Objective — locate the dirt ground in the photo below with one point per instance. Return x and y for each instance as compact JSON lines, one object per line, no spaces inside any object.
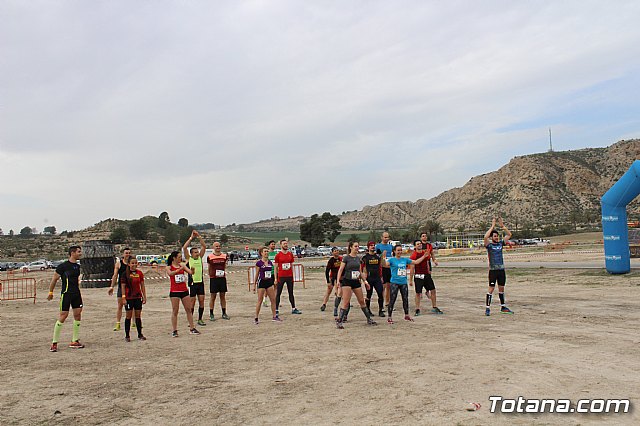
{"x":575,"y":335}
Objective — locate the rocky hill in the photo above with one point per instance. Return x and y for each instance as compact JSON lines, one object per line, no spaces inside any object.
{"x":538,"y":189}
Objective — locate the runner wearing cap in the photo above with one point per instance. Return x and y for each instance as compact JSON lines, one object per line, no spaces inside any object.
{"x":331,"y":274}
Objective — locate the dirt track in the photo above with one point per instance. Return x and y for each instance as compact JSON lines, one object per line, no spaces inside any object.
{"x":304,"y":371}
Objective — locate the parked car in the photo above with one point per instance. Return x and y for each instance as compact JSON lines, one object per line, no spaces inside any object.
{"x":35,"y":266}
{"x":324,"y":251}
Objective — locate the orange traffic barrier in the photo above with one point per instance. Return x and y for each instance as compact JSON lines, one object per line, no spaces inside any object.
{"x":18,"y":288}
{"x":298,"y":275}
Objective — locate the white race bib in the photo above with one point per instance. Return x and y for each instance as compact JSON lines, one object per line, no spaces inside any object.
{"x":180,"y":278}
{"x":421,"y":276}
{"x":219,"y":273}
{"x":402,"y":271}
{"x":267,"y":274}
{"x":355,"y":275}
{"x":286,"y":266}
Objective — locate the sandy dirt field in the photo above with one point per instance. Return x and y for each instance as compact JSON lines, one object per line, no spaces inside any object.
{"x":304,"y":371}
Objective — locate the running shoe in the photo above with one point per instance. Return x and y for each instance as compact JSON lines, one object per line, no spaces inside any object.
{"x":417,"y":314}
{"x":487,"y":312}
{"x":141,"y":337}
{"x":389,"y":320}
{"x":194,"y":331}
{"x":339,"y":326}
{"x":505,"y":310}
{"x":265,"y":303}
{"x":255,"y":321}
{"x":54,"y":347}
{"x":295,"y":311}
{"x":408,"y":318}
{"x":371,"y":322}
{"x":202,"y":323}
{"x":381,"y":314}
{"x":133,"y":325}
{"x":127,"y":339}
{"x":212,"y":317}
{"x":76,"y":345}
{"x":437,"y":311}
{"x":276,"y":319}
{"x":174,"y":333}
{"x":116,"y":327}
{"x":323,"y":307}
{"x":225,"y":316}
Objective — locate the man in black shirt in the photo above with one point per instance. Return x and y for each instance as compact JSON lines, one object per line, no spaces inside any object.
{"x":69,"y":273}
{"x":373,"y":275}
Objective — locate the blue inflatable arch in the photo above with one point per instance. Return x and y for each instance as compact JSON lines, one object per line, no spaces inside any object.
{"x":614,"y":220}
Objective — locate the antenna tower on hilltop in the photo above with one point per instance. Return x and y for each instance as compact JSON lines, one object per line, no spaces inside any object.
{"x":550,"y":143}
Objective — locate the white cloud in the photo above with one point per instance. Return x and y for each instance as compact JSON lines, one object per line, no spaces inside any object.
{"x":319,"y":103}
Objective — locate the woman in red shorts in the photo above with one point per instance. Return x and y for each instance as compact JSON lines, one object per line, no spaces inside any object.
{"x":179,"y":292}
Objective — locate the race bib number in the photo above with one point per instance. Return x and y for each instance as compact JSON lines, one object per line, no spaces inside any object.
{"x":286,"y":266}
{"x":402,"y":272}
{"x":355,"y":275}
{"x":180,"y":278}
{"x":267,"y":275}
{"x":420,"y":276}
{"x":219,"y":273}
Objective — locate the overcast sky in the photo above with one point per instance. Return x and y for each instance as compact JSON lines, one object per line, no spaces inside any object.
{"x":238,"y":111}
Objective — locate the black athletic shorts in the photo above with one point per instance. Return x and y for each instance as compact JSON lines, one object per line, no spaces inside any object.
{"x":386,"y":275}
{"x":265,"y":283}
{"x":426,"y":283}
{"x":73,"y":300}
{"x":196,"y":289}
{"x":332,"y":281}
{"x":218,"y":285}
{"x":497,"y":276}
{"x":351,"y":283}
{"x":133,"y":305}
{"x":180,"y":294}
{"x":119,"y":291}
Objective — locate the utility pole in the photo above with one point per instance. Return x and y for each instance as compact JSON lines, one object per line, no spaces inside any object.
{"x":550,"y":143}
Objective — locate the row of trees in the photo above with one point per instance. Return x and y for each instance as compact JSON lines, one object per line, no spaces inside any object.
{"x":28,"y":231}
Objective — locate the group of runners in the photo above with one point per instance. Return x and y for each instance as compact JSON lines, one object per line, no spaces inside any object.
{"x":381,"y":269}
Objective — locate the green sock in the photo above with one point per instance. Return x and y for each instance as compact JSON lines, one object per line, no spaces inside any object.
{"x":56,"y":332}
{"x":76,"y":330}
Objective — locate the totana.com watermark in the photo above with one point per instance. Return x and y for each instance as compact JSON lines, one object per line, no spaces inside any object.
{"x":523,"y":405}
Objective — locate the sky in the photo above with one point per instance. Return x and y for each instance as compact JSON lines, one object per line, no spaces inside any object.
{"x":236,"y":111}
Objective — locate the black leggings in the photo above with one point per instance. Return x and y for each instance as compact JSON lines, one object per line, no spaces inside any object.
{"x":404,"y":292}
{"x":379,"y":291}
{"x":281,"y":283}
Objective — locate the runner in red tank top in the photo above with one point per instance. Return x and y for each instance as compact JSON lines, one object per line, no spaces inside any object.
{"x":179,"y":291}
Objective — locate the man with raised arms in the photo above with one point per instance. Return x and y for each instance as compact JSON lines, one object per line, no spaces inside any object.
{"x":193,"y":257}
{"x":494,"y":246}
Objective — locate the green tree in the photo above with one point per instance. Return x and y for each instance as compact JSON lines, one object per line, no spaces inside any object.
{"x":119,"y":235}
{"x":1,"y":233}
{"x":352,"y":238}
{"x":171,"y":235}
{"x":183,"y":222}
{"x":51,"y":230}
{"x":185,"y":233}
{"x":11,"y":232}
{"x":317,"y":228}
{"x":139,"y":229}
{"x":240,"y":228}
{"x":224,"y":239}
{"x":373,"y":236}
{"x":432,"y":227}
{"x":575,"y":217}
{"x":26,"y":231}
{"x":163,"y":220}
